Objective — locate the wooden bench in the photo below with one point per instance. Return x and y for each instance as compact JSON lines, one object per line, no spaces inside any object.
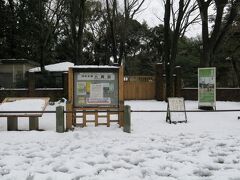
{"x":12,"y":118}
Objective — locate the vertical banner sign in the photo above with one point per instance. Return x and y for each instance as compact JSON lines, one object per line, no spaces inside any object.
{"x":207,"y":87}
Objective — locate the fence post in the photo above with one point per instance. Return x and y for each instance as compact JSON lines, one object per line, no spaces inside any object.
{"x":159,"y":90}
{"x":178,"y":84}
{"x":60,"y":119}
{"x":12,"y":123}
{"x":33,"y":123}
{"x":127,"y":119}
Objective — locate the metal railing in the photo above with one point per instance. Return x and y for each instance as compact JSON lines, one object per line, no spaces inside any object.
{"x":106,"y":111}
{"x":33,"y":123}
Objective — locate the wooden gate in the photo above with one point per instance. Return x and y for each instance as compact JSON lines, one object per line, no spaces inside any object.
{"x":139,"y":87}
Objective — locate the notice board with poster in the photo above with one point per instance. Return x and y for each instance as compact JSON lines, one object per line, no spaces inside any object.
{"x":207,"y":87}
{"x":95,"y":95}
{"x":96,"y":89}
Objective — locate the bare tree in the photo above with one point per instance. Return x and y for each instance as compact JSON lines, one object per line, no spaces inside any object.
{"x":131,"y":8}
{"x":176,"y":23}
{"x":49,"y":18}
{"x":212,"y":39}
{"x":77,"y":23}
{"x":111,"y":12}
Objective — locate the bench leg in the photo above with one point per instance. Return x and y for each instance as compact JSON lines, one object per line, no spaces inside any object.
{"x":33,"y":123}
{"x":12,"y":123}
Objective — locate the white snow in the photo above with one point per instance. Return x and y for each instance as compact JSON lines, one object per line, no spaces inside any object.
{"x":23,"y":105}
{"x":58,"y":67}
{"x":207,"y":147}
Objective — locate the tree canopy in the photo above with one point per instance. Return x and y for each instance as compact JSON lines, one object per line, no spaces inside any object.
{"x":106,"y":32}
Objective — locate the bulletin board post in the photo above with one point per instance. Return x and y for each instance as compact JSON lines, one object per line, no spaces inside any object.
{"x":92,"y":89}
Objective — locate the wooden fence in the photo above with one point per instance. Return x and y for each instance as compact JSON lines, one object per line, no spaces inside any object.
{"x":139,"y":87}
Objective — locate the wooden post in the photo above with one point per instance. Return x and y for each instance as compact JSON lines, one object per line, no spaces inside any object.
{"x":31,"y":84}
{"x":108,"y":119}
{"x":69,"y":105}
{"x":65,"y":85}
{"x":60,"y":119}
{"x":69,"y":116}
{"x":96,"y":117}
{"x":12,"y":123}
{"x":121,"y":96}
{"x":178,"y":84}
{"x":33,"y":123}
{"x":159,"y":82}
{"x":127,"y":119}
{"x":84,"y":118}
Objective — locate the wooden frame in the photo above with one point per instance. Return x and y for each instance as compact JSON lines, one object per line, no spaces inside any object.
{"x":71,"y":117}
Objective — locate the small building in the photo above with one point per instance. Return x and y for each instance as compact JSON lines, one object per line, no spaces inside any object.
{"x":52,"y":77}
{"x":13,"y":72}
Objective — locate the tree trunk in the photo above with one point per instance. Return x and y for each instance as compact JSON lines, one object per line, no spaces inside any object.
{"x":167,"y":42}
{"x":112,"y":21}
{"x":77,"y":18}
{"x":42,"y":63}
{"x":125,"y":31}
{"x":12,"y":39}
{"x":80,"y":30}
{"x":205,"y":60}
{"x":236,"y":70}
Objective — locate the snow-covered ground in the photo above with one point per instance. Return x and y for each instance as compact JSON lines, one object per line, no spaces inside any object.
{"x":207,"y":147}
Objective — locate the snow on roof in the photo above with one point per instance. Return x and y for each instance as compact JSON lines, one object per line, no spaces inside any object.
{"x":58,"y":67}
{"x":64,"y":66}
{"x":94,"y":66}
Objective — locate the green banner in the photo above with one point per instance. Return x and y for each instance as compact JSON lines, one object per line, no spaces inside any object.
{"x":207,"y":87}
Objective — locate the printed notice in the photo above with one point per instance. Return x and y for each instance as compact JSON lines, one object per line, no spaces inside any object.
{"x":81,"y":100}
{"x":81,"y":88}
{"x":99,"y":100}
{"x":88,"y":87}
{"x":96,"y":91}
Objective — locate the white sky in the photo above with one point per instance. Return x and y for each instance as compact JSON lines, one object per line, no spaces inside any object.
{"x":153,"y":10}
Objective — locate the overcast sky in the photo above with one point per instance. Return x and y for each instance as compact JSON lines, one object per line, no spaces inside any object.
{"x":153,"y":10}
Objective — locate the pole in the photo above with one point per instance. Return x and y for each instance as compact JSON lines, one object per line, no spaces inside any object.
{"x":127,"y":119}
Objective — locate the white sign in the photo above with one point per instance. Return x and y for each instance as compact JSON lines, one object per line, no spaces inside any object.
{"x":95,"y":76}
{"x":99,"y":100}
{"x":176,"y":104}
{"x":96,"y":91}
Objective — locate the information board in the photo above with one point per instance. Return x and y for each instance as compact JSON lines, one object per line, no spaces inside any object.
{"x":176,"y":104}
{"x":207,"y":87}
{"x":95,"y":89}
